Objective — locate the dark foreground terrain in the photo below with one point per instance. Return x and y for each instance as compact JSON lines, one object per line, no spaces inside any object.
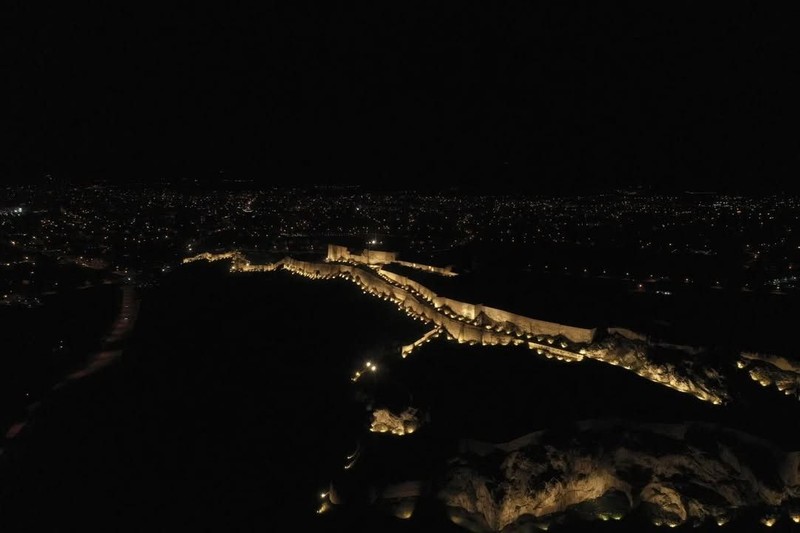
{"x":232,"y":409}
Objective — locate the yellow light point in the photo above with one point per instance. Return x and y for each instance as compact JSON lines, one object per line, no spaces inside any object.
{"x":796,"y":518}
{"x":769,"y":521}
{"x":721,"y":521}
{"x":323,"y":508}
{"x":323,"y":495}
{"x":405,"y":514}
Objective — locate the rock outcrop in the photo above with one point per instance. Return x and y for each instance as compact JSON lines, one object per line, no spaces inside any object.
{"x":673,"y":474}
{"x":384,"y":421}
{"x":773,"y":370}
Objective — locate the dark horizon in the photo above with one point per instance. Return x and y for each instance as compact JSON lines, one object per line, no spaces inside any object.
{"x":223,"y":181}
{"x":421,"y":97}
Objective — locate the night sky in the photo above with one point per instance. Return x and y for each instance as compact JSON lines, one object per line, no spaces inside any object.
{"x":562,"y":96}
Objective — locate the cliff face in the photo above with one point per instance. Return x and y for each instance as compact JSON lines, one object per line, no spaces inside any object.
{"x":674,"y":474}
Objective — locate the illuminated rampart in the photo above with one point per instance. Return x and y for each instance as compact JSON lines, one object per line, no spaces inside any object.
{"x":476,"y":324}
{"x":343,"y":254}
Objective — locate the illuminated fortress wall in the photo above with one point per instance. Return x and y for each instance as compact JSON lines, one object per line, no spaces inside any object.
{"x":338,"y":253}
{"x":375,"y":257}
{"x":508,"y":321}
{"x":442,"y":271}
{"x":206,"y":256}
{"x":436,"y":307}
{"x":407,"y":282}
{"x":476,"y":324}
{"x":628,"y":334}
{"x":366,"y":257}
{"x":451,"y":315}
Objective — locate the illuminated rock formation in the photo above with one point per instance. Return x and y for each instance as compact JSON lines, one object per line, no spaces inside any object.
{"x":700,"y":381}
{"x":384,"y":421}
{"x":772,"y":370}
{"x":674,"y":474}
